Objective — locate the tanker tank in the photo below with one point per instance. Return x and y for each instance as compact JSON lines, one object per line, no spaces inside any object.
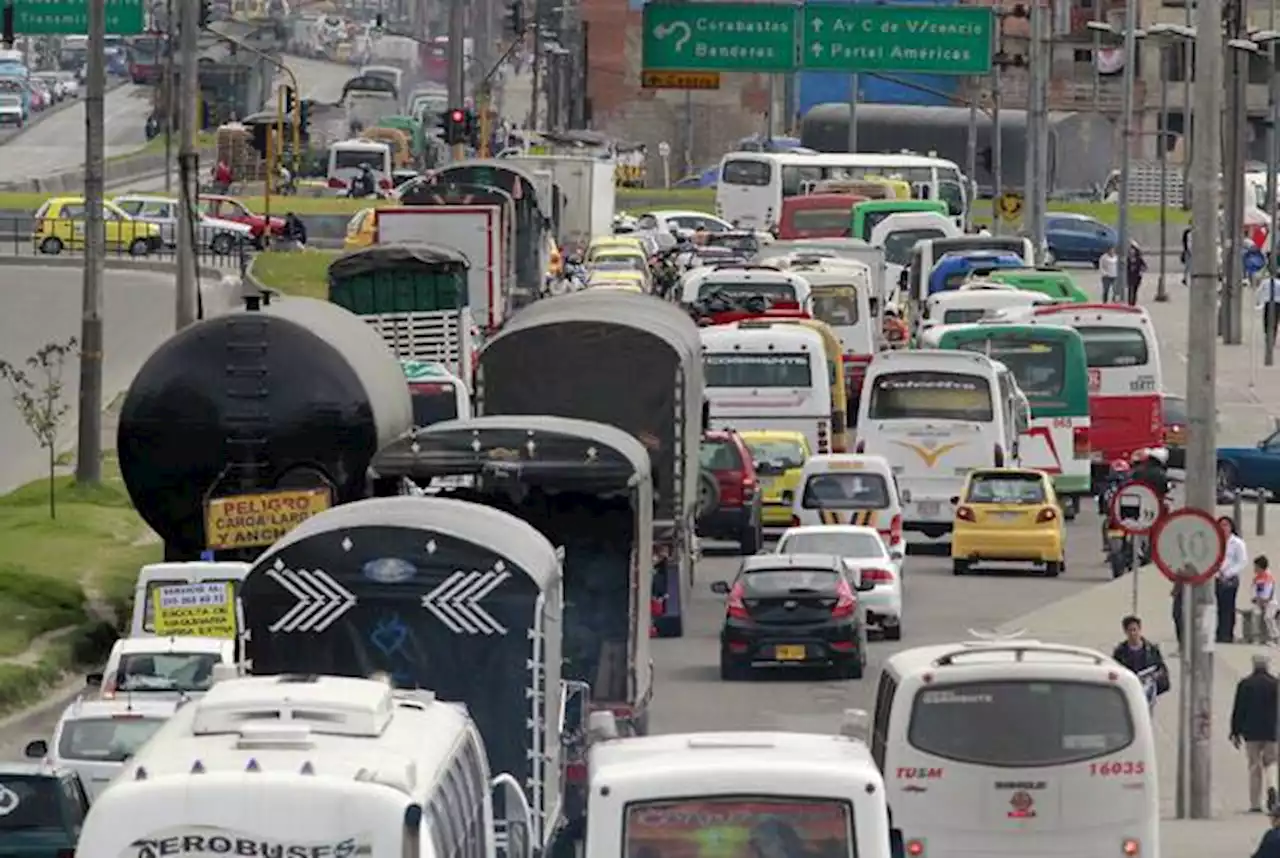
{"x":297,"y":394}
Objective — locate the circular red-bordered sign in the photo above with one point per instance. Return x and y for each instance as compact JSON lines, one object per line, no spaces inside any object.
{"x":1187,"y":546}
{"x":1136,"y":507}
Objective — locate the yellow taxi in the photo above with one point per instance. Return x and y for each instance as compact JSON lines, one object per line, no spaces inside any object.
{"x":362,"y":229}
{"x":613,"y":243}
{"x":621,"y":262}
{"x":619,"y":281}
{"x":1008,"y":515}
{"x":779,"y":456}
{"x":59,"y":225}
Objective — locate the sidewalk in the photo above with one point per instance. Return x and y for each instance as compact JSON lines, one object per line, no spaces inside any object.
{"x":1092,"y":618}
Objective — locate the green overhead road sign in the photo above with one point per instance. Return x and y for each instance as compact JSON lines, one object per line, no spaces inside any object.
{"x":69,"y":17}
{"x":928,"y":39}
{"x":729,"y":37}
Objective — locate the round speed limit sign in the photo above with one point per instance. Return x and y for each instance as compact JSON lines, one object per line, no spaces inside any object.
{"x":1187,"y":546}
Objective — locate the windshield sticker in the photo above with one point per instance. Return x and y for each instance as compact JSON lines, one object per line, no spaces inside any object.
{"x":948,"y":697}
{"x":763,"y":360}
{"x":196,"y":842}
{"x":888,"y":383}
{"x":9,"y":801}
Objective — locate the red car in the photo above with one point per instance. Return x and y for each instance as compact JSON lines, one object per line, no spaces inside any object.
{"x":736,"y":516}
{"x":229,"y":208}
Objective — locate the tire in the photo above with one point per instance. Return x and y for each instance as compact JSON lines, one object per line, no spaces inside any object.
{"x":852,"y":669}
{"x":959,"y":567}
{"x":1054,"y":569}
{"x":1116,"y":561}
{"x":222,"y":244}
{"x":139,"y":247}
{"x":1228,"y":479}
{"x":708,"y":493}
{"x":732,"y":671}
{"x":51,"y":246}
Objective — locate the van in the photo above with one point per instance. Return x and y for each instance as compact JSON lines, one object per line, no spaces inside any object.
{"x":347,"y":157}
{"x":849,"y":488}
{"x":156,"y":575}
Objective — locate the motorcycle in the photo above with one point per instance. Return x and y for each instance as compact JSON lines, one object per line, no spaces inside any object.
{"x":1119,"y":550}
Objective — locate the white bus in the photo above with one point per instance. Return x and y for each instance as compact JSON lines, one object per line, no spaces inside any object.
{"x":772,"y":377}
{"x":738,"y":282}
{"x":1126,"y":410}
{"x":1016,"y":747}
{"x":752,"y":185}
{"x":767,"y":794}
{"x":298,"y":765}
{"x":936,"y":416}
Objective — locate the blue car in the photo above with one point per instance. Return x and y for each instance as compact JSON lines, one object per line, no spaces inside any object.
{"x":954,"y":269}
{"x":1256,"y":467}
{"x":1077,"y":238}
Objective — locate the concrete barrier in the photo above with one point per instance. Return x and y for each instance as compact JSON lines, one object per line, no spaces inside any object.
{"x":117,"y":170}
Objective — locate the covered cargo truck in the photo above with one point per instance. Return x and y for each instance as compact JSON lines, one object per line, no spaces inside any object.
{"x":625,"y":360}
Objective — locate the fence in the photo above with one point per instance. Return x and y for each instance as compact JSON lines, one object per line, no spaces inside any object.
{"x":24,"y":235}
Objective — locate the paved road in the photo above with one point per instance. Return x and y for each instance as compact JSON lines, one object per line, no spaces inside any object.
{"x":56,"y":144}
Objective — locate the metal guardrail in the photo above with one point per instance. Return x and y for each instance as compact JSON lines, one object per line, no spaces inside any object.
{"x":55,"y":237}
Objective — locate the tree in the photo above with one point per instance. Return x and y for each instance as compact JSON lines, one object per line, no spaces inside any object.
{"x":36,"y":389}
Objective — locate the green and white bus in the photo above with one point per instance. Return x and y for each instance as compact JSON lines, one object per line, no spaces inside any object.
{"x":1049,"y":363}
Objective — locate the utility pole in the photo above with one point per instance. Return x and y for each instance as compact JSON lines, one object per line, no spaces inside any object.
{"x":1030,"y":178}
{"x":1233,"y":175}
{"x":1273,"y":212}
{"x":454,"y":54}
{"x":997,"y":154}
{"x":537,"y":64}
{"x":1162,"y":153}
{"x":167,"y":89}
{"x":188,"y":163}
{"x":971,"y":152}
{"x":853,"y":113}
{"x":1040,"y":204}
{"x":89,"y":435}
{"x":1126,"y":145}
{"x":1197,"y":728}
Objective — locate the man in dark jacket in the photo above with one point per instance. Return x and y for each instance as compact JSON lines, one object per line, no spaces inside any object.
{"x":1139,"y":654}
{"x":1253,"y":721}
{"x":1270,"y":845}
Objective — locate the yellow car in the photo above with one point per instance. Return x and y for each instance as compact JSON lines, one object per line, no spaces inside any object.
{"x":621,"y":262}
{"x":620,"y":281}
{"x":362,"y":230}
{"x":60,"y":226}
{"x":614,"y":244}
{"x":779,"y":456}
{"x":1008,"y":515}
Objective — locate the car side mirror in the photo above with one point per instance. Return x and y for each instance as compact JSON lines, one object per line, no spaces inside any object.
{"x":897,"y":553}
{"x":37,"y":749}
{"x":93,"y":680}
{"x":720,"y":587}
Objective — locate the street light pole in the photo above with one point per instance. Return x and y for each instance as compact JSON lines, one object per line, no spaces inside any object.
{"x":1167,"y":36}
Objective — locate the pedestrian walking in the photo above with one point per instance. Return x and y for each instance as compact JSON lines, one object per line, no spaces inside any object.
{"x":1177,"y":613}
{"x":1267,"y":301}
{"x":1109,"y":268}
{"x":1136,"y":266}
{"x":1142,"y":657}
{"x":1264,"y":599}
{"x":1227,"y":583}
{"x":1186,"y":256}
{"x":1253,"y":722}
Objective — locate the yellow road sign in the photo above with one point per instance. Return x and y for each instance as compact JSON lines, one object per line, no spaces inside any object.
{"x":207,"y":609}
{"x":679,"y":80}
{"x":252,"y":521}
{"x":1009,"y":205}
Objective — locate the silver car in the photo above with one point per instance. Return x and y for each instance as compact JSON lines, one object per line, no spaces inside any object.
{"x":221,"y":237}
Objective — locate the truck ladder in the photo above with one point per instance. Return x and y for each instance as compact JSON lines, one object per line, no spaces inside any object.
{"x":247,"y":392}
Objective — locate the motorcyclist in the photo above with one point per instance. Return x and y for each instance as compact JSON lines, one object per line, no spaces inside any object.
{"x":894,"y":328}
{"x":365,"y":184}
{"x":1152,"y":467}
{"x":1119,"y":474}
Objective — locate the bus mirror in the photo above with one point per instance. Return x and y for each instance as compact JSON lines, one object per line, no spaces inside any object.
{"x":853,"y":724}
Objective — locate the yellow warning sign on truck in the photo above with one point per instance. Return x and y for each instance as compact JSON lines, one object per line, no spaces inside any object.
{"x":254,"y":521}
{"x":207,"y":609}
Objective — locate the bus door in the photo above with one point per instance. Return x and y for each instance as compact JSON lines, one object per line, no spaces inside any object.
{"x":1124,"y":377}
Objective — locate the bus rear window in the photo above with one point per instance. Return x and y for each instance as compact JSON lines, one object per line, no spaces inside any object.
{"x":845,"y":490}
{"x":740,"y":825}
{"x":1039,"y":367}
{"x":744,"y":172}
{"x":821,"y":220}
{"x":743,"y":369}
{"x":433,"y":402}
{"x":962,"y":317}
{"x":931,"y":395}
{"x":1112,"y":348}
{"x":738,"y":291}
{"x":899,"y":243}
{"x":1020,"y":723}
{"x":836,"y":306}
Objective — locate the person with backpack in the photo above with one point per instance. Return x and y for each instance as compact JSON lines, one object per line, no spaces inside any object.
{"x":1142,"y":657}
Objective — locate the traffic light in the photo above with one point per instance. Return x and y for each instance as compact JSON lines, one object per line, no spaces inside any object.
{"x":378,"y":21}
{"x":473,"y":129}
{"x":304,"y":119}
{"x":260,"y":131}
{"x":515,"y":17}
{"x":454,"y":124}
{"x":6,"y":25}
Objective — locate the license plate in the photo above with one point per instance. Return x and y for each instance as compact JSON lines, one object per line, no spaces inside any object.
{"x":770,"y":485}
{"x":789,"y":653}
{"x":930,"y":507}
{"x":1114,"y":533}
{"x":1009,"y":516}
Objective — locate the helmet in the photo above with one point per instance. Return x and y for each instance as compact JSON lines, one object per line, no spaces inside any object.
{"x":1160,"y":454}
{"x":1120,"y":466}
{"x":1140,"y":455}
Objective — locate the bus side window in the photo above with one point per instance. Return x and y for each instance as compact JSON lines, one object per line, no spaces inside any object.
{"x":880,"y":724}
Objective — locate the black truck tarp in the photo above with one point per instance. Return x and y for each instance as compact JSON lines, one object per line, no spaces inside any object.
{"x":440,"y":594}
{"x":625,"y":360}
{"x":582,"y":479}
{"x":380,"y":256}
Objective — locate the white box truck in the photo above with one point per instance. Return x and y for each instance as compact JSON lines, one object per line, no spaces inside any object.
{"x":589,"y":194}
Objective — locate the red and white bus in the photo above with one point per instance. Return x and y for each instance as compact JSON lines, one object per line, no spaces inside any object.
{"x":1125,"y":382}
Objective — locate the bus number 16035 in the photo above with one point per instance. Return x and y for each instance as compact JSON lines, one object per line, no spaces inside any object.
{"x":1117,"y":768}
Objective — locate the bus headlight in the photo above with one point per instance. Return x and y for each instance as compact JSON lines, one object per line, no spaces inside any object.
{"x":1130,"y":847}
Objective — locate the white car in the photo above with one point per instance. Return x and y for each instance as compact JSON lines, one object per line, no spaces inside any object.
{"x":70,"y":85}
{"x":11,"y":112}
{"x":94,"y":738}
{"x":864,"y":550}
{"x":670,"y":220}
{"x":155,"y":665}
{"x":221,"y":237}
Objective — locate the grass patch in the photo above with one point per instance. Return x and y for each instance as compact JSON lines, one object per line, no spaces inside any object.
{"x":155,"y":146}
{"x":93,"y":541}
{"x":304,"y":273}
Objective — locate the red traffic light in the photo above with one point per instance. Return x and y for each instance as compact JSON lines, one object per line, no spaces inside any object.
{"x":458,"y":116}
